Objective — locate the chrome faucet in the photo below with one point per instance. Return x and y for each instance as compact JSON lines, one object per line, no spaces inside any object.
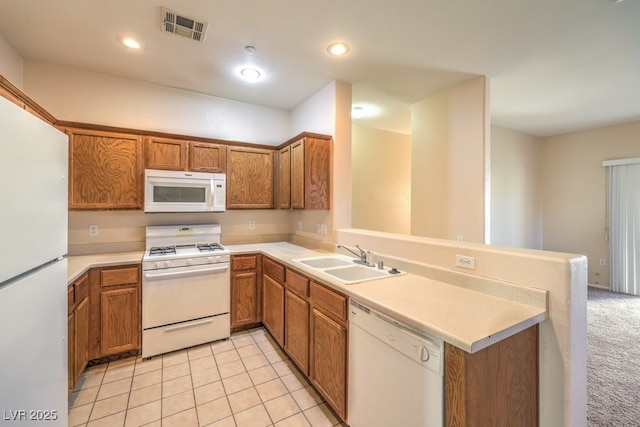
{"x":365,"y":257}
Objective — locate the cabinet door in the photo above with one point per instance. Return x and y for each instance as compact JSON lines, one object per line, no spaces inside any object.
{"x":329,"y":360}
{"x":105,"y":170}
{"x":205,"y":157}
{"x":297,"y":175}
{"x":81,"y":351}
{"x":162,"y":153}
{"x":244,"y":298}
{"x":297,"y":331}
{"x":317,"y":171}
{"x":273,"y":308}
{"x":71,"y":338}
{"x":250,"y":178}
{"x":120,"y":320}
{"x":284,"y":178}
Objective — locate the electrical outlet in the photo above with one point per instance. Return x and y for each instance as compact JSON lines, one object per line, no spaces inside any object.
{"x":252,"y":225}
{"x":460,"y":238}
{"x":323,"y":229}
{"x":466,"y":262}
{"x":603,"y":261}
{"x":299,"y":225}
{"x":93,"y":230}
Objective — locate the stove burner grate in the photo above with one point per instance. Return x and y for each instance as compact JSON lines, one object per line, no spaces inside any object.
{"x":162,"y":250}
{"x":209,"y":247}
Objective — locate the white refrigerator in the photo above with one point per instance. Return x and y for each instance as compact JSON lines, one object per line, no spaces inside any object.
{"x":33,"y":272}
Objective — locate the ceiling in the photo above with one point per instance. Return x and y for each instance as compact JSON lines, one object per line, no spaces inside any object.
{"x":554,"y":66}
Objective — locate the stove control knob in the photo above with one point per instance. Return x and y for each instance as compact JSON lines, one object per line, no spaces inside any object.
{"x":156,"y":265}
{"x":189,"y":262}
{"x":167,"y":264}
{"x":210,"y":259}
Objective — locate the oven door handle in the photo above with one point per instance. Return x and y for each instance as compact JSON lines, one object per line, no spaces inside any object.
{"x":187,"y":325}
{"x":191,"y":271}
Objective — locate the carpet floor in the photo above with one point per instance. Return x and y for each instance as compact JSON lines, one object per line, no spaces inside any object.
{"x":613,"y":359}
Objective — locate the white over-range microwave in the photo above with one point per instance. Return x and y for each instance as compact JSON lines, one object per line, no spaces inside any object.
{"x":182,"y":191}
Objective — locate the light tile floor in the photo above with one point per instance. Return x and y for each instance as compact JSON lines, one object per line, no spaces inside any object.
{"x":245,"y":381}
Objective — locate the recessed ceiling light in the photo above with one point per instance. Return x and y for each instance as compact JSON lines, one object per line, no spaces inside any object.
{"x":338,"y":49}
{"x":131,"y":43}
{"x":250,"y":74}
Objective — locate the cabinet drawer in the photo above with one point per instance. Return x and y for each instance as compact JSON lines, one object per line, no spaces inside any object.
{"x":273,"y":269}
{"x":297,"y":283}
{"x":120,"y":276}
{"x":329,"y":300}
{"x":244,"y":262}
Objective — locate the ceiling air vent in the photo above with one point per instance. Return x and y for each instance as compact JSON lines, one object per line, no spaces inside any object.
{"x":184,"y":26}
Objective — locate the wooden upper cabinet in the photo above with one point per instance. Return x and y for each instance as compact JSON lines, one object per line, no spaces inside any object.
{"x":105,"y":170}
{"x":206,"y":157}
{"x":173,"y":154}
{"x":304,"y":174}
{"x":284,"y":178}
{"x":250,"y":178}
{"x":162,"y":153}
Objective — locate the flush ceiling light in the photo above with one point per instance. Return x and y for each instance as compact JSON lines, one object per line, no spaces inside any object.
{"x":250,"y":74}
{"x":357,"y":112}
{"x":131,"y":43}
{"x":338,"y":49}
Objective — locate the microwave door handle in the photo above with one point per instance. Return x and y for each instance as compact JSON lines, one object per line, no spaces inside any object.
{"x":162,"y":274}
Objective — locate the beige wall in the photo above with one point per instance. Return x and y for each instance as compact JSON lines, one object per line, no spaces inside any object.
{"x":448,"y":163}
{"x":11,"y":64}
{"x":381,"y":180}
{"x":516,"y":189}
{"x":574,"y":187}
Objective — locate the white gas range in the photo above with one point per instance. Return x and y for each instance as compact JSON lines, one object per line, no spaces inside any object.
{"x":185,"y":288}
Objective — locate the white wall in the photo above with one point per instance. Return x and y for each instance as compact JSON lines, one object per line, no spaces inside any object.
{"x":381,"y":180}
{"x":11,"y":64}
{"x":448,"y":162}
{"x":76,"y":95}
{"x":516,"y":189}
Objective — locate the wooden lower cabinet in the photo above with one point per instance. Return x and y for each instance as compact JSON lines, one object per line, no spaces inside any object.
{"x":328,"y":371}
{"x":115,"y":317}
{"x":497,"y":386}
{"x":296,"y":331}
{"x":119,"y":320}
{"x":328,"y":345}
{"x":245,"y":290}
{"x":273,"y":308}
{"x":78,"y":329}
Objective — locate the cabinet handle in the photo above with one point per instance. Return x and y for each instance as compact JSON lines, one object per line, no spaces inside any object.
{"x":188,"y":325}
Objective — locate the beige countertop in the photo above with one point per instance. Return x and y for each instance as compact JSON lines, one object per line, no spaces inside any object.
{"x":78,"y":264}
{"x":468,"y":319}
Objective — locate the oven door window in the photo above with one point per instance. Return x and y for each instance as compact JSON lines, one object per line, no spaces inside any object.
{"x":167,"y":194}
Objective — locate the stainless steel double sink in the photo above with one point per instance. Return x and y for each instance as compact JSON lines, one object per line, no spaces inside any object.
{"x":345,"y":269}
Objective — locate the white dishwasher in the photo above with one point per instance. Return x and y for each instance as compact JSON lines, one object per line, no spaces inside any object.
{"x":395,"y":373}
